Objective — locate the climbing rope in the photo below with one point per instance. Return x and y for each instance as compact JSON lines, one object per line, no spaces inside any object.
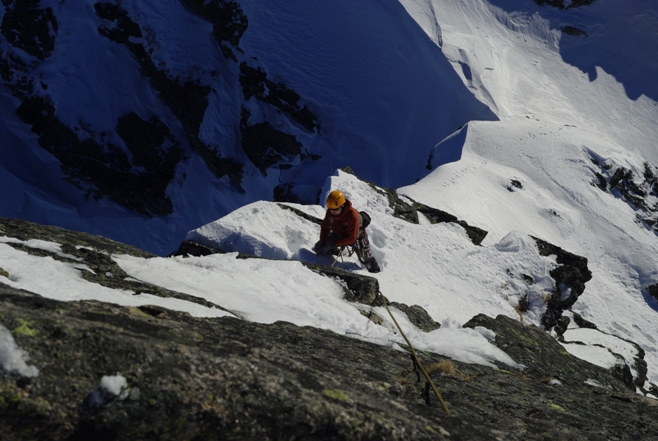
{"x":350,"y":251}
{"x":413,"y":353}
{"x":340,"y":254}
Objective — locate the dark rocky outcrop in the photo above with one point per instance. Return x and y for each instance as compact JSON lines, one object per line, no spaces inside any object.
{"x":187,"y":98}
{"x":435,"y":216}
{"x":579,"y":3}
{"x":560,"y":3}
{"x":581,"y":322}
{"x":574,"y":32}
{"x":254,"y":82}
{"x":29,"y":27}
{"x":639,"y":192}
{"x":622,"y":369}
{"x":286,"y":192}
{"x":561,"y":327}
{"x":514,"y":185}
{"x":570,"y":277}
{"x":653,"y":290}
{"x":554,"y":3}
{"x":265,"y":146}
{"x":24,"y":230}
{"x":544,"y":357}
{"x":105,"y":169}
{"x":192,"y":378}
{"x":95,"y":252}
{"x":190,"y":248}
{"x":358,"y":288}
{"x":301,"y":214}
{"x":418,"y":316}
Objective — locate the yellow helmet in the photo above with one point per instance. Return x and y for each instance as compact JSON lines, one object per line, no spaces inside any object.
{"x":335,"y":200}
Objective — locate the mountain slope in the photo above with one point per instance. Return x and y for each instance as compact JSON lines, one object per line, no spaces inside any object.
{"x":531,"y":122}
{"x":573,"y":158}
{"x":140,"y":121}
{"x":84,"y":368}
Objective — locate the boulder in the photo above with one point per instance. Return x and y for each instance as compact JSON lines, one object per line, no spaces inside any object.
{"x":570,"y":277}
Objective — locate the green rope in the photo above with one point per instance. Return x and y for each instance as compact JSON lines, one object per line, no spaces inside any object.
{"x":413,"y":352}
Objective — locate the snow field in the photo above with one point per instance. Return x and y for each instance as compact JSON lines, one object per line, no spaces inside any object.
{"x":558,"y":202}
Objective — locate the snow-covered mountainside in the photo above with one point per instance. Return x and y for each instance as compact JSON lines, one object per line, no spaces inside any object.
{"x":533,"y":121}
{"x":430,"y":260}
{"x":439,"y":266}
{"x":141,"y":120}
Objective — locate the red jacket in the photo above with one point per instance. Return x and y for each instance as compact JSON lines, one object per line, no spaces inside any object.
{"x":345,"y":226}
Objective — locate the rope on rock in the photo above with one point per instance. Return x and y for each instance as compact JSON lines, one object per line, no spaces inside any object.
{"x":413,"y":353}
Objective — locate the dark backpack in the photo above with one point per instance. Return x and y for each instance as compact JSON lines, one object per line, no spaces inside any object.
{"x":365,"y":219}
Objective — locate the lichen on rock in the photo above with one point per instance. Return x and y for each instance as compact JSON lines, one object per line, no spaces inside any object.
{"x":169,"y":375}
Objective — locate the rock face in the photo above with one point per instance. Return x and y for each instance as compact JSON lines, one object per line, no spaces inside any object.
{"x":189,"y":378}
{"x":109,"y":372}
{"x":639,"y":192}
{"x":23,"y":230}
{"x":570,"y":277}
{"x":144,"y":151}
{"x":95,"y":252}
{"x":637,"y":189}
{"x":541,"y":354}
{"x":203,"y":379}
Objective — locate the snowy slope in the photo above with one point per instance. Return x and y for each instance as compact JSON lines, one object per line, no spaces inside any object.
{"x":514,"y":57}
{"x":435,"y":266}
{"x":258,"y":290}
{"x":382,"y":91}
{"x":559,"y":127}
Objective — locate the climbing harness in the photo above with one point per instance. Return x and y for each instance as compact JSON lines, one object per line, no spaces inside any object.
{"x":350,"y":251}
{"x":415,"y":357}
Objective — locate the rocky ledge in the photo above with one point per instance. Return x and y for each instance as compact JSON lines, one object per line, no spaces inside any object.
{"x":105,"y":372}
{"x":192,"y":378}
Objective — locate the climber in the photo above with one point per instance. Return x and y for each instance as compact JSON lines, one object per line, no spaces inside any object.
{"x":344,"y":226}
